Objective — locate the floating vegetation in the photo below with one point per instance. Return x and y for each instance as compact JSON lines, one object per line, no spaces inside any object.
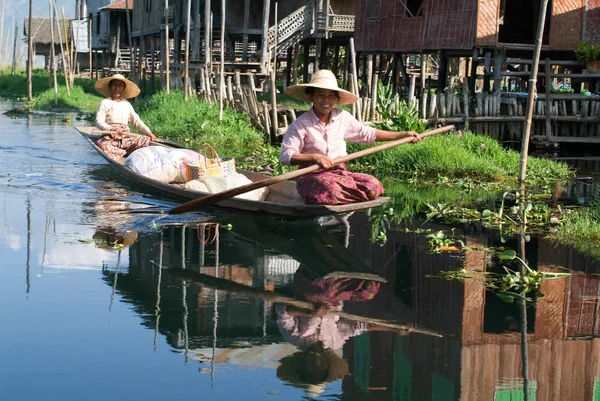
{"x":511,"y":285}
{"x":440,"y":242}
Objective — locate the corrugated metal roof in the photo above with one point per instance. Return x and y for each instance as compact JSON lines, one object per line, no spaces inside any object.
{"x":120,"y":5}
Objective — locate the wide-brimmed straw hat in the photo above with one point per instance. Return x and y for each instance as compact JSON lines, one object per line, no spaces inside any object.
{"x":293,"y":370}
{"x":103,"y":86}
{"x":323,"y":79}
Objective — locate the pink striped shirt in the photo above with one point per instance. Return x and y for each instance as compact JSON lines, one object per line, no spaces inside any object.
{"x":308,"y":135}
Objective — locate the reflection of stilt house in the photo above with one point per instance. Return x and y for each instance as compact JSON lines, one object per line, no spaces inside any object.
{"x":489,"y":44}
{"x":480,"y":357}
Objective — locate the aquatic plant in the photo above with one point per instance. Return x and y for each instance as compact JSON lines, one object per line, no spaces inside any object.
{"x":512,"y":284}
{"x":580,"y":228}
{"x":440,"y":242}
{"x":396,"y":114}
{"x":77,"y":100}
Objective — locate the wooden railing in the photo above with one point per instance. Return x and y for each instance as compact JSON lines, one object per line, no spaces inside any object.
{"x":341,"y":23}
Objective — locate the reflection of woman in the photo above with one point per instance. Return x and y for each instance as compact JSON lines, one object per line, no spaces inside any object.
{"x":304,"y":329}
{"x":115,"y":114}
{"x":319,"y":335}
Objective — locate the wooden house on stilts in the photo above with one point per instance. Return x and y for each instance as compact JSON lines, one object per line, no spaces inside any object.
{"x":255,"y":30}
{"x":483,"y":49}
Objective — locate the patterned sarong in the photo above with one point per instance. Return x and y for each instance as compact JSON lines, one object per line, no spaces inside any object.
{"x":332,"y":290}
{"x":338,"y":186}
{"x":117,"y":148}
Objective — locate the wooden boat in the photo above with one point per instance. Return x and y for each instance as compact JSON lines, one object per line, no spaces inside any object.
{"x":282,"y":200}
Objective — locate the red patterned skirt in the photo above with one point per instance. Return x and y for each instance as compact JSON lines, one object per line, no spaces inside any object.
{"x":332,"y":290}
{"x":338,"y":186}
{"x":117,"y":148}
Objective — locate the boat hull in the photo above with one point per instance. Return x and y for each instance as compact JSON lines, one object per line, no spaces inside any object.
{"x":283,"y":198}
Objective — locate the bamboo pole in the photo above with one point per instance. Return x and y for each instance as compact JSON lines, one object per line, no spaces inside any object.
{"x":374,"y":82}
{"x":186,"y":75}
{"x":6,"y":47}
{"x":69,"y":71}
{"x":132,"y":56}
{"x":90,"y":45}
{"x":354,"y":86}
{"x":62,"y":50}
{"x":14,"y":63}
{"x":222,"y":69}
{"x":274,"y":119}
{"x":531,"y":91}
{"x":5,"y":50}
{"x":207,"y":33}
{"x":167,"y":57}
{"x":29,"y":53}
{"x":53,"y":57}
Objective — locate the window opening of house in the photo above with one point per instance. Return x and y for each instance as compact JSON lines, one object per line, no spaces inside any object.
{"x":413,"y":8}
{"x":373,"y":9}
{"x":519,"y":21}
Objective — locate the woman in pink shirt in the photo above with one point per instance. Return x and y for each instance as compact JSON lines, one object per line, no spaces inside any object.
{"x":319,"y":136}
{"x":115,"y":113}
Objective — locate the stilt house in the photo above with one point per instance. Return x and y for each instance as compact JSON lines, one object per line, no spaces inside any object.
{"x":41,"y":39}
{"x":490,"y":43}
{"x":250,"y":30}
{"x":109,"y":33}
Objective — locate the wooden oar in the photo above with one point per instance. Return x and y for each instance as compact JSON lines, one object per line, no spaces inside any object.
{"x":158,"y":140}
{"x":228,"y":285}
{"x":230,"y":193}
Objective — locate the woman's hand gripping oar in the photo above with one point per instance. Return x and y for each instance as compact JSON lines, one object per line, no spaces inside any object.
{"x":230,"y":193}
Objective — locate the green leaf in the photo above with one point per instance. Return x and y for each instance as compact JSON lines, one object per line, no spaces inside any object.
{"x":507,"y":254}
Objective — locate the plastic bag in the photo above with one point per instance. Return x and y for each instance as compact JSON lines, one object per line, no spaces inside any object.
{"x":161,"y":163}
{"x":234,"y":180}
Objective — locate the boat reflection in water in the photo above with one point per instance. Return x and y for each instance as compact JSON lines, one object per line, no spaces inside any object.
{"x":296,"y":300}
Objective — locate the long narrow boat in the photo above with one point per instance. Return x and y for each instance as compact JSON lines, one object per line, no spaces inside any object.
{"x":282,"y":200}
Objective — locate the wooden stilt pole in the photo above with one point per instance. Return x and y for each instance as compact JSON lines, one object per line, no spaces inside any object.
{"x":3,"y":66}
{"x":274,"y":85}
{"x":90,"y":45}
{"x":62,"y":50}
{"x":531,"y":92}
{"x":5,"y":50}
{"x":14,"y":63}
{"x":222,"y":69}
{"x":355,"y":84}
{"x":167,"y":56}
{"x":69,"y":71}
{"x":53,"y":56}
{"x":186,"y":74}
{"x":29,"y":52}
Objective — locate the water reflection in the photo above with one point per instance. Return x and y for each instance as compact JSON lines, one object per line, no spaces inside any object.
{"x":234,"y":321}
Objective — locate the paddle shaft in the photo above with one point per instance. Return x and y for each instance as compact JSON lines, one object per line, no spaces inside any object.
{"x":158,"y":140}
{"x":230,"y":193}
{"x":227,"y":285}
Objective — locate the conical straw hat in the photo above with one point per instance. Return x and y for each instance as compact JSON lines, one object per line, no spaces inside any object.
{"x":323,"y":79}
{"x":103,"y":86}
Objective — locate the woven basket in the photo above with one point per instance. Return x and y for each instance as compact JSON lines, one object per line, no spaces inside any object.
{"x":210,"y":164}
